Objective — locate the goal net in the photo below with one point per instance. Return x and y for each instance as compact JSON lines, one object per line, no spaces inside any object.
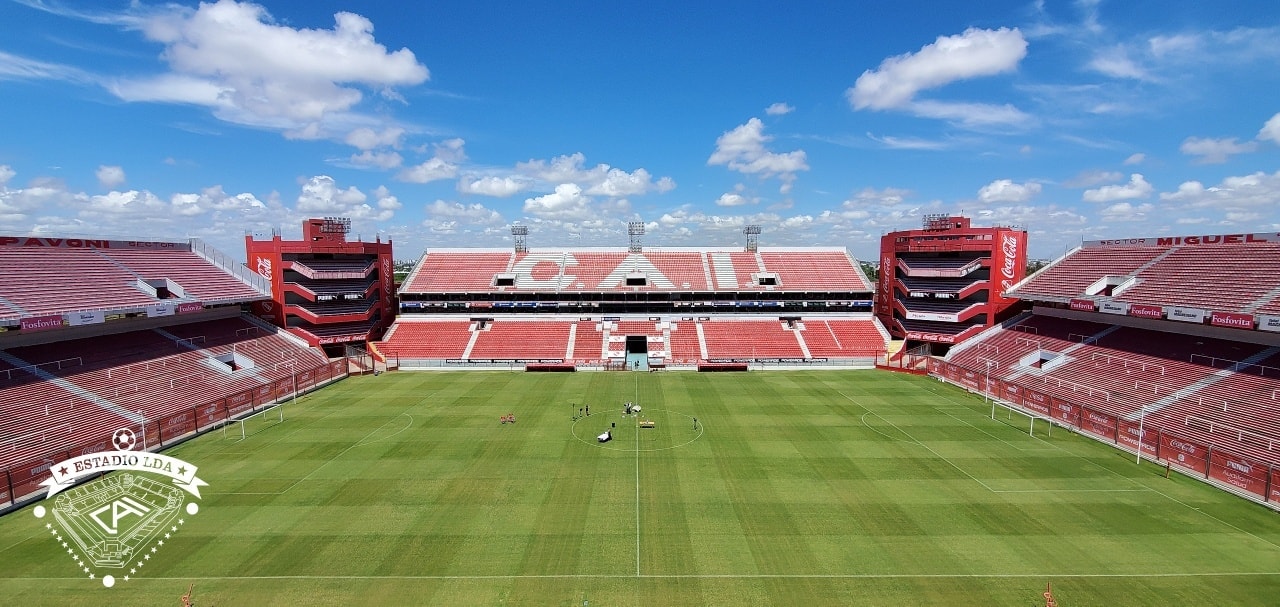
{"x":249,"y":425}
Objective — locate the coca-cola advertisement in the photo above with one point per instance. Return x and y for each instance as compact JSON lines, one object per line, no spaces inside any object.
{"x":1008,"y":262}
{"x":1184,"y":453}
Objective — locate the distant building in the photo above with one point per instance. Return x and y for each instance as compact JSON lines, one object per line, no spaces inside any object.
{"x":943,"y":283}
{"x":326,"y":289}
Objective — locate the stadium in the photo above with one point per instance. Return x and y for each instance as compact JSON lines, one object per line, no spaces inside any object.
{"x":1108,"y":434}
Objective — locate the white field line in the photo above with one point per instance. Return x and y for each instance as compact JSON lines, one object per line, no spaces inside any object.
{"x":728,"y":576}
{"x":637,"y":433}
{"x":326,"y":462}
{"x":1137,"y":482}
{"x":966,"y":473}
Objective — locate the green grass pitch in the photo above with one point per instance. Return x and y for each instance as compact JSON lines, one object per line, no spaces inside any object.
{"x":795,"y":488}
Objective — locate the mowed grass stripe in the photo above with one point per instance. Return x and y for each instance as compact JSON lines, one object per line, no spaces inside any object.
{"x":803,"y":488}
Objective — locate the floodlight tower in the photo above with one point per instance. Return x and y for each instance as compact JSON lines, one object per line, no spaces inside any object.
{"x":635,"y":229}
{"x":753,"y":238}
{"x":519,"y":234}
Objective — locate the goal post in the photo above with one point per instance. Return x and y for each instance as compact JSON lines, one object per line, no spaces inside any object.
{"x":255,"y":422}
{"x":1021,"y":418}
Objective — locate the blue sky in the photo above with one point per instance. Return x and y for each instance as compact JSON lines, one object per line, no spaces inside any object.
{"x":441,"y":124}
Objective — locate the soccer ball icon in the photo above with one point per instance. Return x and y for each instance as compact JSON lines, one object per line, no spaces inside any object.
{"x":124,"y":439}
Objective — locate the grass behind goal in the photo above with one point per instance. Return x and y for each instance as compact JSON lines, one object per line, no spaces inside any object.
{"x":794,"y":488}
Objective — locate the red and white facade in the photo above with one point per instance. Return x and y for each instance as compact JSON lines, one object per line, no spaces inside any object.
{"x":325,"y":289}
{"x":946,"y":282}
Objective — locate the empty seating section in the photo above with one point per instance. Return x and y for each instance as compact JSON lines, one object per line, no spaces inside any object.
{"x":445,"y":272}
{"x":686,"y":270}
{"x":443,"y":339}
{"x":843,"y":338}
{"x":823,"y":271}
{"x":200,"y":279}
{"x":508,"y":339}
{"x":335,"y":287}
{"x":750,"y":338}
{"x":936,"y":327}
{"x":1074,"y":273}
{"x":142,"y":371}
{"x":337,"y":265}
{"x":1195,"y":387}
{"x":46,"y":281}
{"x":1198,"y":276}
{"x":588,"y":344}
{"x":665,"y":270}
{"x":936,"y":285}
{"x":684,"y":343}
{"x":948,"y":306}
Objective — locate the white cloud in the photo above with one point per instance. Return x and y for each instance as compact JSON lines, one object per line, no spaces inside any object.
{"x":1133,"y":159}
{"x":1271,"y":130}
{"x":1136,"y":188}
{"x":365,"y":138}
{"x":109,"y":176}
{"x":382,"y":160}
{"x":321,"y":194}
{"x":386,"y":200}
{"x":498,"y":187}
{"x":971,"y":54}
{"x":730,"y":199}
{"x":1215,"y":151}
{"x":743,"y":150}
{"x":779,"y":109}
{"x":444,"y":165}
{"x":249,"y":69}
{"x":872,"y":197}
{"x":908,"y":143}
{"x":1005,"y":190}
{"x":471,"y":214}
{"x":1126,"y":211}
{"x":1116,"y":63}
{"x":600,"y":180}
{"x":1093,"y":177}
{"x":566,"y":202}
{"x":1255,"y":191}
{"x":6,"y":174}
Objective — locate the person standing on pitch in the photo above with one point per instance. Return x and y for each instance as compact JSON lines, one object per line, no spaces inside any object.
{"x":588,"y":409}
{"x":695,"y":423}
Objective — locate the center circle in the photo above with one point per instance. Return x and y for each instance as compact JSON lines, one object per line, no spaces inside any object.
{"x":634,"y":419}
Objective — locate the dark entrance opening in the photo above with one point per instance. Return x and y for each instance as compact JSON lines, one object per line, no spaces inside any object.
{"x":637,"y":344}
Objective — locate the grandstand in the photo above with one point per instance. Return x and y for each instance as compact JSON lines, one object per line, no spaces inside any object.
{"x":149,"y":335}
{"x":1163,"y":346}
{"x":943,"y":283}
{"x":638,"y":308}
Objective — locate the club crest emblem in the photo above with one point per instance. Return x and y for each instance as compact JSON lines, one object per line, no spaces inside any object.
{"x":111,"y":528}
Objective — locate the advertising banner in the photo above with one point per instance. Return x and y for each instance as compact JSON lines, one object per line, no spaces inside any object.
{"x":163,"y":308}
{"x":189,"y":307}
{"x":41,"y":323}
{"x":1099,"y":424}
{"x":1268,"y":322}
{"x":934,"y":316}
{"x":1008,"y":262}
{"x":1231,"y":319}
{"x":1066,"y":412}
{"x":1275,"y":486}
{"x":1181,"y":314}
{"x":95,"y":317}
{"x":1011,"y":392}
{"x":1185,"y":453}
{"x":1036,"y":401}
{"x":1114,"y":307}
{"x":1238,"y":472}
{"x":1129,"y":437}
{"x":1083,"y":305}
{"x":1145,"y":311}
{"x":239,"y":403}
